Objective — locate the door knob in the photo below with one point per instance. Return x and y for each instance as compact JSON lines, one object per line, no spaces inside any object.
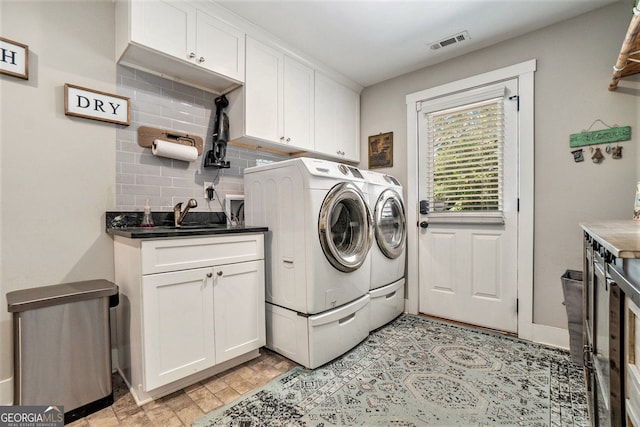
{"x":423,"y":224}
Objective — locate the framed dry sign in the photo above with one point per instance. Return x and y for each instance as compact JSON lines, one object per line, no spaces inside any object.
{"x":96,"y":105}
{"x":14,"y":58}
{"x":381,"y":150}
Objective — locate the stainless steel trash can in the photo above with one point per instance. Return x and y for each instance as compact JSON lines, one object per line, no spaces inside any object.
{"x":62,"y":346}
{"x":572,"y":291}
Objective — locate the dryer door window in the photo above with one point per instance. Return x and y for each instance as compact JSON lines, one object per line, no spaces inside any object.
{"x":390,"y":224}
{"x":345,"y":227}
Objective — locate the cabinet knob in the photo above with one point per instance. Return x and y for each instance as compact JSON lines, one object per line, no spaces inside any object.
{"x":288,"y":139}
{"x":192,"y":55}
{"x":219,"y":273}
{"x":209,"y":275}
{"x":201,"y":59}
{"x":282,"y":138}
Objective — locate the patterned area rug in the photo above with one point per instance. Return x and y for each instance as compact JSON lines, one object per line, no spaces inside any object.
{"x":421,"y":372}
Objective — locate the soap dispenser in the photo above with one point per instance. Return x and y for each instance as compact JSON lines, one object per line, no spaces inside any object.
{"x":147,"y":220}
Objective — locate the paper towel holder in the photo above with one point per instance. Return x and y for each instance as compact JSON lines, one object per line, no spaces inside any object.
{"x":146,"y":136}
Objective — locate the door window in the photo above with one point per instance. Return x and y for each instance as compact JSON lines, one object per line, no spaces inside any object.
{"x":465,"y":153}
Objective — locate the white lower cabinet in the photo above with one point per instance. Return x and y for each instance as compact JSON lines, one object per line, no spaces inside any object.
{"x":238,"y":306}
{"x":177,"y":325}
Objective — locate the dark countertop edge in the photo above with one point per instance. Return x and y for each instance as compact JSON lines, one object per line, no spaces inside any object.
{"x":159,"y":232}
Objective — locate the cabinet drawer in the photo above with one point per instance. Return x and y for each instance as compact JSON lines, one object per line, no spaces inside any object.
{"x":632,"y":392}
{"x":159,"y":256}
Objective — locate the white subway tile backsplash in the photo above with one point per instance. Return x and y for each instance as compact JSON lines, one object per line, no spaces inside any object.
{"x":151,"y":190}
{"x":125,"y":157}
{"x":142,"y":118}
{"x":128,"y":135}
{"x":165,"y":104}
{"x":125,"y":178}
{"x":138,"y":169}
{"x":153,"y":180}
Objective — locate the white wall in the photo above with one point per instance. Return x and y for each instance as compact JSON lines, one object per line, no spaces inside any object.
{"x":57,"y":172}
{"x":574,"y":65}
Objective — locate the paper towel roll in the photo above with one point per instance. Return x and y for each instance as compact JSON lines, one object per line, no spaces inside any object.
{"x":174,"y":151}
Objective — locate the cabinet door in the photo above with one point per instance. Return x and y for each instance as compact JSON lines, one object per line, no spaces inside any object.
{"x":166,"y":26}
{"x":177,"y":312}
{"x":298,"y":104}
{"x":263,"y":92}
{"x":239,"y":309}
{"x":632,"y":364}
{"x":337,"y":112}
{"x":347,"y":122}
{"x":219,"y":46}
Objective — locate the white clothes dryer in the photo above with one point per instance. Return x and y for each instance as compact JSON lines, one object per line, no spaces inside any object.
{"x":388,"y":252}
{"x":318,"y":264}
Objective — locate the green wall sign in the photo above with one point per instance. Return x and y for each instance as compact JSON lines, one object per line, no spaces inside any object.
{"x":600,"y":136}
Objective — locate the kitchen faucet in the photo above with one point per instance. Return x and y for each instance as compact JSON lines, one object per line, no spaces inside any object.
{"x":178,"y":214}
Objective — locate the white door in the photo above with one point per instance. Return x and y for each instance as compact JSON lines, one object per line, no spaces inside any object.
{"x":468,"y":188}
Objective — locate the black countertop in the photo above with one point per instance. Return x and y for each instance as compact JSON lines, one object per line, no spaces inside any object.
{"x":126,"y":224}
{"x":187,"y":231}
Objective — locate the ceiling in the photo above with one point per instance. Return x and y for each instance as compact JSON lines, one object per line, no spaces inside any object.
{"x":372,"y":41}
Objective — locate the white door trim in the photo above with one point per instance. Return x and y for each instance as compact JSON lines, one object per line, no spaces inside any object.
{"x":525,"y":73}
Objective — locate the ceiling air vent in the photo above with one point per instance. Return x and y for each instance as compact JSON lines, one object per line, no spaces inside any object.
{"x":449,"y":41}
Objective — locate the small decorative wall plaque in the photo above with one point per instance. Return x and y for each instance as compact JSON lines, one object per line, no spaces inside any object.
{"x":578,"y":156}
{"x":96,"y":105}
{"x":597,"y":156}
{"x":14,"y":58}
{"x":381,"y":150}
{"x":616,"y":152}
{"x":614,"y":134}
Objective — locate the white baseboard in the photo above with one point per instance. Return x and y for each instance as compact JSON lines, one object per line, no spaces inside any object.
{"x":6,"y":392}
{"x":550,"y":335}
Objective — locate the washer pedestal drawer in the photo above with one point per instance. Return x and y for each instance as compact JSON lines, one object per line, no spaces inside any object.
{"x":315,"y":340}
{"x":387,"y":303}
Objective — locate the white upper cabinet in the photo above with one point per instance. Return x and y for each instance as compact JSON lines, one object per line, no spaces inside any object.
{"x":277,"y":99}
{"x":337,"y":119}
{"x":219,"y":46}
{"x":262,"y":95}
{"x":184,"y":41}
{"x":298,"y":104}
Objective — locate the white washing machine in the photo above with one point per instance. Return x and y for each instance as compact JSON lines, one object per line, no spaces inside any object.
{"x":318,"y":264}
{"x":388,"y":252}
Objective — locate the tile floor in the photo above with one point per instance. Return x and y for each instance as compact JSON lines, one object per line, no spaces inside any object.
{"x":185,"y":406}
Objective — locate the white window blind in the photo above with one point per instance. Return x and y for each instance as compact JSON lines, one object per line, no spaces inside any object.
{"x":465,"y":159}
